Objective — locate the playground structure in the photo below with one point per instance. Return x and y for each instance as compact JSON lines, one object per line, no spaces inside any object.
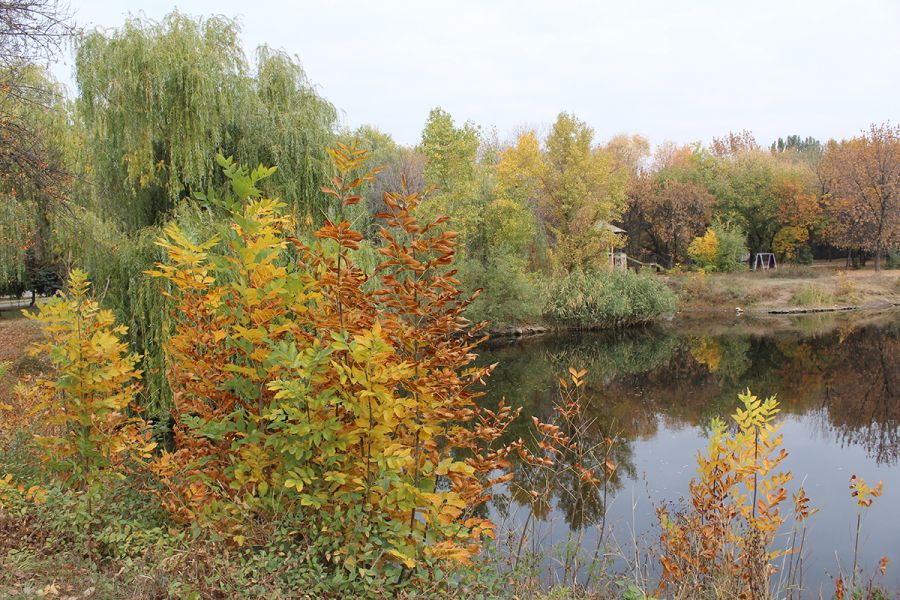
{"x":765,"y":261}
{"x":619,"y":261}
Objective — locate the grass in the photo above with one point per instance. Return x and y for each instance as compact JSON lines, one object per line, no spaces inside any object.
{"x":796,"y":272}
{"x":789,"y":286}
{"x":812,"y":295}
{"x":607,"y":299}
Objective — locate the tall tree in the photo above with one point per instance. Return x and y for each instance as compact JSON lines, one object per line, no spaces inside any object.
{"x":292,"y":128}
{"x":160,"y":99}
{"x":629,"y":152}
{"x":32,"y":118}
{"x":157,"y":100}
{"x":794,"y":143}
{"x":401,"y":168}
{"x":581,"y":191}
{"x":668,"y":204}
{"x":31,"y":33}
{"x":33,"y":192}
{"x":459,"y":184}
{"x":734,"y":143}
{"x":744,"y":187}
{"x":518,"y":180}
{"x":799,"y":210}
{"x":863,"y":178}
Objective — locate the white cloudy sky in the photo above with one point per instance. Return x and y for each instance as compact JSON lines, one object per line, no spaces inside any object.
{"x":668,"y":69}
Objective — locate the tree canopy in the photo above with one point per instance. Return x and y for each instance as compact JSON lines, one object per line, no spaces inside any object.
{"x":159,"y":100}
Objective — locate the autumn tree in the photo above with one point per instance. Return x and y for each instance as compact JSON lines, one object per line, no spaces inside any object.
{"x":451,"y":152}
{"x":33,"y":191}
{"x":457,"y":183}
{"x":734,"y":143}
{"x":32,"y":173}
{"x":160,"y":99}
{"x":489,"y":190}
{"x":401,"y":167}
{"x":518,"y":176}
{"x":677,"y":212}
{"x":799,"y":210}
{"x":744,"y":186}
{"x":31,"y":34}
{"x":669,"y":204}
{"x":863,"y":178}
{"x":308,"y":389}
{"x":629,"y":152}
{"x":581,"y":190}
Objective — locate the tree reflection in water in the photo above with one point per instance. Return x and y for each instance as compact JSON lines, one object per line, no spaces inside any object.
{"x":843,"y":376}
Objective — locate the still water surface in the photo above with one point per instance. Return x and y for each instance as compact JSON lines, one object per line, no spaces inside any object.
{"x":838,"y":381}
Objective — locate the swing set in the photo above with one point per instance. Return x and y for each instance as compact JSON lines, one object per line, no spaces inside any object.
{"x":765,"y":261}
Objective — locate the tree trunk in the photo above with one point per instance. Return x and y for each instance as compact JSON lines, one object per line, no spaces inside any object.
{"x":878,"y":256}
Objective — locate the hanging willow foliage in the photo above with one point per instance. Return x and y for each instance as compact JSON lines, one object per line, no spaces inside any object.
{"x":16,"y":233}
{"x":293,"y":128}
{"x":33,"y":178}
{"x":159,"y":100}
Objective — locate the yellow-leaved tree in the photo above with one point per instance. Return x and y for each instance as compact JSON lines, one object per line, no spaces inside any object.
{"x":724,"y":539}
{"x":705,"y":249}
{"x":86,"y":404}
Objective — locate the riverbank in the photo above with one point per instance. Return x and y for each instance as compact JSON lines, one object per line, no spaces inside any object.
{"x":796,"y":289}
{"x":793,"y":290}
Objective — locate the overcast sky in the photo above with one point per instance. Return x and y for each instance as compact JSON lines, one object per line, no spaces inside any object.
{"x":667,"y":69}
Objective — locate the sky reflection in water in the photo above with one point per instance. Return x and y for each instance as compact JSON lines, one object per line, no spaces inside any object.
{"x":838,"y":380}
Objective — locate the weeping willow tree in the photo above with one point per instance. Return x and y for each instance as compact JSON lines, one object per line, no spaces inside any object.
{"x":160,"y":99}
{"x":157,"y":102}
{"x":15,"y":234}
{"x":293,"y":126}
{"x":33,"y":178}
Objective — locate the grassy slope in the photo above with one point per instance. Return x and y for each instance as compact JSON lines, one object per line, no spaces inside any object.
{"x":821,"y":285}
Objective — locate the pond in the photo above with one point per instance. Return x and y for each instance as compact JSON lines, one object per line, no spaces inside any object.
{"x":655,"y":391}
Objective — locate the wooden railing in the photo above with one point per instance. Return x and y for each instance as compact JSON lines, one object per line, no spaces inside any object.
{"x":653,"y":265}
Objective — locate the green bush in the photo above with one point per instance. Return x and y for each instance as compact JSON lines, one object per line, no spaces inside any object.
{"x":509,"y":295}
{"x":812,"y":295}
{"x":892,"y":259}
{"x":732,"y":248}
{"x":722,"y":248}
{"x":804,"y":256}
{"x":608,"y":299}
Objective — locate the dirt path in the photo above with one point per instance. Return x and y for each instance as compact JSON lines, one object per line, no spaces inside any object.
{"x":17,"y":334}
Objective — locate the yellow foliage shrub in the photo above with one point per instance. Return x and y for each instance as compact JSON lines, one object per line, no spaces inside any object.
{"x":705,"y":249}
{"x":735,"y":508}
{"x":87,"y":401}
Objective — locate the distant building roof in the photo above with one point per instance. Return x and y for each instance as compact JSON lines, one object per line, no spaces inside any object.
{"x":610,"y":227}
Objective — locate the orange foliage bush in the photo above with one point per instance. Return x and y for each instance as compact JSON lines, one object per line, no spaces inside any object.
{"x":735,"y":509}
{"x":304,"y":386}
